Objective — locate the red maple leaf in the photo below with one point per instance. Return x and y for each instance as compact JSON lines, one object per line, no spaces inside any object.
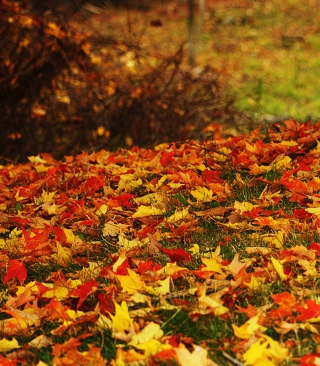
{"x":309,"y":311}
{"x":16,"y":269}
{"x":285,"y":302}
{"x":316,"y":247}
{"x":83,"y":291}
{"x":310,"y":360}
{"x":177,"y":255}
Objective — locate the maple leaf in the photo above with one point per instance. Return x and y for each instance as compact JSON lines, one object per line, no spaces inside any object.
{"x":6,"y":345}
{"x":144,"y":211}
{"x":149,"y":332}
{"x":198,"y":357}
{"x":285,"y":301}
{"x":177,"y":255}
{"x":249,"y":328}
{"x":16,"y":269}
{"x":279,"y":268}
{"x":310,"y":360}
{"x":265,"y":352}
{"x":83,"y":291}
{"x":311,"y":311}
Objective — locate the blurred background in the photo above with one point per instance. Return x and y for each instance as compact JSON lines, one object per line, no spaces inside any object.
{"x":85,"y":75}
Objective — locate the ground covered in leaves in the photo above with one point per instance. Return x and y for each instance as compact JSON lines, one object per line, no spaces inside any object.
{"x":189,"y":254}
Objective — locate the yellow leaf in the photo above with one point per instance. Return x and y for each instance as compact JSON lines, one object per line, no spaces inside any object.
{"x":149,"y":199}
{"x":282,"y":164}
{"x":162,"y":287}
{"x":248,"y":328}
{"x":149,"y":332}
{"x":289,"y":143}
{"x":244,"y":206}
{"x":104,"y":322}
{"x":216,"y":306}
{"x":133,"y":283}
{"x":174,"y":185}
{"x":198,"y":357}
{"x":170,"y":269}
{"x":211,"y":265}
{"x":62,"y":256}
{"x":69,"y":234}
{"x":58,"y":292}
{"x":202,"y":194}
{"x":195,"y":249}
{"x":40,"y":341}
{"x":279,"y":269}
{"x":276,"y":240}
{"x":126,"y":243}
{"x":314,"y":210}
{"x":121,"y":321}
{"x":255,"y":282}
{"x":6,"y":345}
{"x":52,"y":209}
{"x":255,"y":169}
{"x":265,"y":351}
{"x":152,"y":347}
{"x":310,"y":267}
{"x":47,"y":197}
{"x":178,"y":215}
{"x":144,"y":211}
{"x":102,"y":210}
{"x":36,"y":160}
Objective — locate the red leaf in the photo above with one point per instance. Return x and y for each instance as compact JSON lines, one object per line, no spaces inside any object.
{"x":83,"y":291}
{"x":60,"y":234}
{"x":94,"y":183}
{"x":124,"y":199}
{"x":311,"y":310}
{"x":212,"y":176}
{"x":177,"y":255}
{"x":122,"y":270}
{"x":285,"y":302}
{"x":166,"y":158}
{"x":316,"y":247}
{"x":310,"y":360}
{"x":106,"y":303}
{"x":16,"y":269}
{"x":148,"y":266}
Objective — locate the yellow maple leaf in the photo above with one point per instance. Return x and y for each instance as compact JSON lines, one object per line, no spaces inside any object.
{"x":211,"y":265}
{"x":314,"y":210}
{"x":62,"y":256}
{"x":162,"y":287}
{"x":6,"y":345}
{"x":198,"y":357}
{"x":248,"y":328}
{"x":255,"y":282}
{"x":202,"y":194}
{"x":58,"y":292}
{"x":170,"y":269}
{"x":178,"y":215}
{"x":278,"y":268}
{"x":276,"y":239}
{"x":144,"y":211}
{"x":255,"y":169}
{"x":265,"y":352}
{"x":132,"y":283}
{"x":282,"y":163}
{"x":149,"y":332}
{"x":121,"y":321}
{"x":244,"y":206}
